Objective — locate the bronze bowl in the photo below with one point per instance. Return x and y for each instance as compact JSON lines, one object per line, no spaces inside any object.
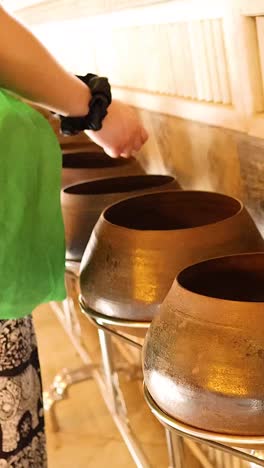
{"x":79,"y":167}
{"x":139,"y":245}
{"x":204,"y":351}
{"x":83,"y":203}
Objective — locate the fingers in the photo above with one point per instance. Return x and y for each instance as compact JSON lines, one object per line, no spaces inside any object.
{"x":112,"y":152}
{"x":137,"y":142}
{"x":129,"y":150}
{"x":126,"y":153}
{"x":123,"y":144}
{"x":144,"y":135}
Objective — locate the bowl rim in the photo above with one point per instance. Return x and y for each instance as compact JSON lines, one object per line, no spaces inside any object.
{"x":168,"y":179}
{"x":241,"y":207}
{"x":194,"y":294}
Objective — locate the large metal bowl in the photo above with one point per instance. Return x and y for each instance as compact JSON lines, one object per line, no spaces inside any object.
{"x":84,"y":166}
{"x":204,"y":351}
{"x":140,"y":244}
{"x":83,"y":203}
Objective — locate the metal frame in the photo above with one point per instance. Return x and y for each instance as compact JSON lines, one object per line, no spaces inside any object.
{"x":107,"y":380}
{"x":222,"y":442}
{"x":102,"y":322}
{"x":108,"y":384}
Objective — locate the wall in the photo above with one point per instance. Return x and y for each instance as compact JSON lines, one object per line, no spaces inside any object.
{"x":207,"y":158}
{"x":180,"y":62}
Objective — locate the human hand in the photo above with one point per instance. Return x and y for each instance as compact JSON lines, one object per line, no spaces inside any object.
{"x":122,"y":133}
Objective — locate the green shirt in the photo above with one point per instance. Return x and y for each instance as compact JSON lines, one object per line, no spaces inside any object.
{"x":32,"y":252}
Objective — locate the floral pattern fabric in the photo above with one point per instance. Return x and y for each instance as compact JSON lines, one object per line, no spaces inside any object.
{"x":22,"y":437}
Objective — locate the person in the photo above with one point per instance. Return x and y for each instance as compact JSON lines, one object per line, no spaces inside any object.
{"x":31,"y":228}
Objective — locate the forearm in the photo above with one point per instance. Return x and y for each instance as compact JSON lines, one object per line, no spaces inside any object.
{"x":29,"y":70}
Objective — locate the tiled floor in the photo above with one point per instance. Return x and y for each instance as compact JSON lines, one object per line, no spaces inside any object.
{"x":87,"y":435}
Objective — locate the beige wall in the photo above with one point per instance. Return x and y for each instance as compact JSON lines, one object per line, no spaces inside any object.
{"x":37,"y":11}
{"x":196,"y":67}
{"x":195,"y":59}
{"x":207,"y":158}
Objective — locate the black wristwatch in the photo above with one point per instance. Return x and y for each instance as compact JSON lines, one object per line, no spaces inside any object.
{"x":101,"y":99}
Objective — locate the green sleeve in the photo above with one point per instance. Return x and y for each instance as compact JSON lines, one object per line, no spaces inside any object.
{"x":32,"y":251}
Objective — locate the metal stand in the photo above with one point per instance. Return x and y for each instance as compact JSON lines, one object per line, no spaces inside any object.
{"x":102,"y":322}
{"x":116,"y":401}
{"x":107,"y":380}
{"x":175,"y":450}
{"x":222,"y":442}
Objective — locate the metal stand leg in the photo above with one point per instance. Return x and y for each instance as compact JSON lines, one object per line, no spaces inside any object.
{"x":108,"y":383}
{"x":108,"y":367}
{"x":175,"y":449}
{"x":117,"y":404}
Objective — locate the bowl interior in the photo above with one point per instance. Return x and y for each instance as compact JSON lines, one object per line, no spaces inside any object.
{"x":172,"y":210}
{"x":118,"y":184}
{"x":92,"y":160}
{"x":235,"y":278}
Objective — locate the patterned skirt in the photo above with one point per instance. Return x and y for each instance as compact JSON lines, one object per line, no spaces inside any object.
{"x":22,"y":437}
